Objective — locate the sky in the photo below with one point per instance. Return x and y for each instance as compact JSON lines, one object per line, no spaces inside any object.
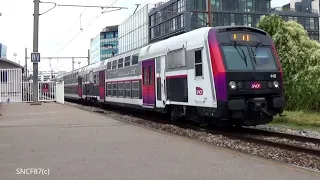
{"x":59,"y":29}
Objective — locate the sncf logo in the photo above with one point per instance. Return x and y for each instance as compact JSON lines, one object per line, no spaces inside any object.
{"x":199,"y":91}
{"x":255,"y":85}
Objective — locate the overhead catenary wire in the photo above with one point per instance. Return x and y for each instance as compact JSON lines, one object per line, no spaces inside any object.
{"x":79,"y":16}
{"x":83,"y":29}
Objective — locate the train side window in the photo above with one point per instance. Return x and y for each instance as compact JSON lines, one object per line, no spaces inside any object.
{"x":120,"y":89}
{"x":127,"y":61}
{"x":176,"y":59}
{"x":114,"y":89}
{"x":114,"y":64}
{"x":95,"y":79}
{"x":120,"y":63}
{"x":108,"y":65}
{"x":127,"y":87}
{"x":135,"y":59}
{"x":198,"y":62}
{"x":135,"y":89}
{"x":109,"y":89}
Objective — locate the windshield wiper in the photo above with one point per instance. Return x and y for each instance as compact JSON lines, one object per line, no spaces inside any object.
{"x":244,"y":57}
{"x":255,"y":52}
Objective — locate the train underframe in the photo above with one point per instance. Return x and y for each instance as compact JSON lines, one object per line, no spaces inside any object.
{"x":237,"y":111}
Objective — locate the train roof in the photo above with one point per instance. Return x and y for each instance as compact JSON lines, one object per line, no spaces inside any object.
{"x":160,"y":47}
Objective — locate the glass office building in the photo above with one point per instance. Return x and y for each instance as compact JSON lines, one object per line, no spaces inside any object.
{"x":178,"y":16}
{"x":95,"y":50}
{"x":104,"y":45}
{"x":133,"y":32}
{"x":3,"y":51}
{"x":109,"y":42}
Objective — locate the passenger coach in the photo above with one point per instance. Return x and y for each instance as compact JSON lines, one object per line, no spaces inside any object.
{"x":211,"y":74}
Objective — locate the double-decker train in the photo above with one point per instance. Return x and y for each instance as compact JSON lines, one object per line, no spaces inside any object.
{"x":211,"y":74}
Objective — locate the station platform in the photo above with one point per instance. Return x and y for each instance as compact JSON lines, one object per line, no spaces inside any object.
{"x":74,"y":144}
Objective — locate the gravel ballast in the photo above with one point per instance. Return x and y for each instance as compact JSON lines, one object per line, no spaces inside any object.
{"x":291,"y":157}
{"x":307,"y":133}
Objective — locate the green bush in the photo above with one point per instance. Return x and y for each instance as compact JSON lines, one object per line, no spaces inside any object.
{"x":300,"y":58}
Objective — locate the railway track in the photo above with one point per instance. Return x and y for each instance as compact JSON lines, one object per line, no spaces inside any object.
{"x":289,"y":142}
{"x":280,"y":140}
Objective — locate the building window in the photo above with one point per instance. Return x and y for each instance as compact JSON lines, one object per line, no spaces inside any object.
{"x":120,"y":63}
{"x":249,"y":20}
{"x":233,"y":22}
{"x":120,"y":89}
{"x":307,"y":23}
{"x":135,"y":89}
{"x":245,"y":20}
{"x":249,"y":6}
{"x":243,"y":5}
{"x":152,"y":32}
{"x":312,"y":23}
{"x":198,"y":62}
{"x":135,"y":59}
{"x":127,"y":87}
{"x":182,"y":20}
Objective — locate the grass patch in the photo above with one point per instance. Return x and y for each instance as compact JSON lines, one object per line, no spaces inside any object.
{"x":299,"y":120}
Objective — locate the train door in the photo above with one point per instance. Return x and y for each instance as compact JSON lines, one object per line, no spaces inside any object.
{"x":102,"y":85}
{"x":148,"y":81}
{"x":80,"y":86}
{"x":160,"y":85}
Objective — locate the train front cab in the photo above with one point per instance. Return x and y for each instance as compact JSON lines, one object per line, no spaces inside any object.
{"x":248,"y":75}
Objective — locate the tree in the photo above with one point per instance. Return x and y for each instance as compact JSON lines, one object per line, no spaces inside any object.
{"x":300,"y":59}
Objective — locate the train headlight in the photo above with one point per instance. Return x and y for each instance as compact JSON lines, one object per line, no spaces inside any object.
{"x":232,"y":85}
{"x":276,"y":84}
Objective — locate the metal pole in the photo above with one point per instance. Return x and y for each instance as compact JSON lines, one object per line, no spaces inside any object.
{"x":72,"y":64}
{"x":209,"y":14}
{"x":35,"y":49}
{"x":88,"y":56}
{"x":26,"y":64}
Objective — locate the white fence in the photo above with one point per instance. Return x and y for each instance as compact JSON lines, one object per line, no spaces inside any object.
{"x":12,"y":89}
{"x":10,"y":85}
{"x":60,"y":92}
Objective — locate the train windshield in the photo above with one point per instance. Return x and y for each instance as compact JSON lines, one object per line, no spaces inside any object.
{"x":239,"y":58}
{"x":263,"y":58}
